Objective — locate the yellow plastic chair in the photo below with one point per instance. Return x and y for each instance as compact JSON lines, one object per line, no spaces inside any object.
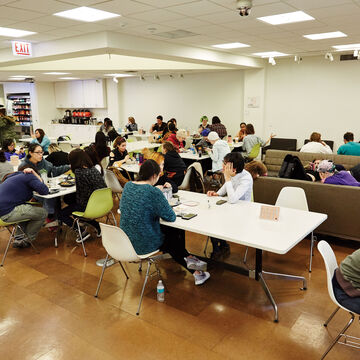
{"x":11,"y":228}
{"x":100,"y":204}
{"x":254,"y":152}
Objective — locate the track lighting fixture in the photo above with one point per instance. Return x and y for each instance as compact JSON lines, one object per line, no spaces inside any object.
{"x":156,"y":77}
{"x":181,"y":76}
{"x":142,"y":78}
{"x":272,"y":61}
{"x":115,"y":80}
{"x":297,"y":59}
{"x":329,"y":56}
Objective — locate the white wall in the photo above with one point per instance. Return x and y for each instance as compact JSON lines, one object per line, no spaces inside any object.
{"x":186,"y":99}
{"x":315,"y":95}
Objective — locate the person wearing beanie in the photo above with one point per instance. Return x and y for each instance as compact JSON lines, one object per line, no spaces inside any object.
{"x":219,"y":150}
{"x":329,"y":175}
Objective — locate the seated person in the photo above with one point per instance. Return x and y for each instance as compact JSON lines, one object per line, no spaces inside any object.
{"x":219,"y":149}
{"x":250,"y":140}
{"x":106,"y":127}
{"x":90,"y":150}
{"x":8,"y":147}
{"x":5,"y":166}
{"x":131,"y":125}
{"x":242,"y":132}
{"x":238,"y":186}
{"x":218,"y":127}
{"x":174,"y":165}
{"x":87,"y":179}
{"x":256,"y":169}
{"x":346,"y":282}
{"x":100,"y":145}
{"x":350,"y":147}
{"x":41,"y":139}
{"x":316,"y":145}
{"x":57,"y":157}
{"x":119,"y":154}
{"x":16,"y":189}
{"x":204,"y":124}
{"x":329,"y":175}
{"x":178,"y":140}
{"x":159,"y":126}
{"x":169,"y":130}
{"x":142,"y":203}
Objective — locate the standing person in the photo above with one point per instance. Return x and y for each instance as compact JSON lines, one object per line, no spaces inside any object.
{"x":119,"y":154}
{"x":316,"y":145}
{"x":57,"y":157}
{"x":142,"y":203}
{"x":8,"y":146}
{"x":106,"y":127}
{"x":174,"y":165}
{"x":219,"y":149}
{"x":350,"y":147}
{"x":15,"y":191}
{"x":178,"y":139}
{"x":87,"y":179}
{"x":242,"y":132}
{"x":41,"y":139}
{"x":218,"y":127}
{"x":159,"y":126}
{"x":131,"y":125}
{"x":250,"y":140}
{"x":204,"y":124}
{"x":100,"y":145}
{"x":238,"y":186}
{"x":5,"y":167}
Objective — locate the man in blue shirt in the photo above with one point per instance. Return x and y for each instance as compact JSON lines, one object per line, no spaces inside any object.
{"x":15,"y":191}
{"x":350,"y":147}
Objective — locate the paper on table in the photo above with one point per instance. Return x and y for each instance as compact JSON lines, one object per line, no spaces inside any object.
{"x":269,"y":212}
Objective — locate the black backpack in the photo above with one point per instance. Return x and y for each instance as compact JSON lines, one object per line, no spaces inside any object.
{"x":196,"y":182}
{"x":292,"y":168}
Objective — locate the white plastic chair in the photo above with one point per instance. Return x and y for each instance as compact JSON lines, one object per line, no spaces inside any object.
{"x":113,"y":183}
{"x":331,"y":265}
{"x":295,"y":198}
{"x":119,"y":247}
{"x":185,"y":185}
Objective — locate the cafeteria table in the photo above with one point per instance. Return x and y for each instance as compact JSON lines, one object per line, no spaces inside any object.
{"x":224,"y":222}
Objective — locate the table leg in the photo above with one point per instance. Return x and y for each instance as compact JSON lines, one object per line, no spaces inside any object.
{"x":286,"y":277}
{"x":269,"y":295}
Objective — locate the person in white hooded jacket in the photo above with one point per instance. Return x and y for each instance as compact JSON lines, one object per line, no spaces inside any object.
{"x":219,"y":150}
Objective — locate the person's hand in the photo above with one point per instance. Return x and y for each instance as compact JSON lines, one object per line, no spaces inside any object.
{"x":212,"y":193}
{"x":229,"y":171}
{"x":126,"y":158}
{"x":29,"y":171}
{"x":111,"y":155}
{"x":167,"y":185}
{"x":272,"y":135}
{"x":118,"y":163}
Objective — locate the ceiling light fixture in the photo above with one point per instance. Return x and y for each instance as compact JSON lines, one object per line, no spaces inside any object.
{"x":56,"y":73}
{"x":115,"y":80}
{"x":272,"y":61}
{"x":171,"y":76}
{"x":16,"y":79}
{"x":287,"y":18}
{"x":142,"y":78}
{"x":356,"y":53}
{"x":21,"y":76}
{"x":9,"y":32}
{"x":297,"y":59}
{"x":234,"y":45}
{"x":328,"y":35}
{"x":119,"y":75}
{"x":181,"y":76}
{"x":86,"y":14}
{"x":329,"y":56}
{"x":269,"y":54}
{"x":156,"y":77}
{"x":69,"y":78}
{"x":347,"y":47}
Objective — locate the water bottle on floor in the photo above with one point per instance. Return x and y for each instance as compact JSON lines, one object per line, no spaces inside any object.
{"x":160,"y":290}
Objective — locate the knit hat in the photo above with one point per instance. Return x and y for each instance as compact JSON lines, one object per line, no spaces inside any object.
{"x":326,"y":166}
{"x":213,"y":135}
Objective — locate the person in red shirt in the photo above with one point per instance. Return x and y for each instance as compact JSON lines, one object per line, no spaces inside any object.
{"x":178,"y":139}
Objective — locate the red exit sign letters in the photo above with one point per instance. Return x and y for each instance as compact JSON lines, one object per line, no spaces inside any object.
{"x":21,"y":48}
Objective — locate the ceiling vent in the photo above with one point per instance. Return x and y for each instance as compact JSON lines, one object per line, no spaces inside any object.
{"x":176,"y":34}
{"x":347,"y":57}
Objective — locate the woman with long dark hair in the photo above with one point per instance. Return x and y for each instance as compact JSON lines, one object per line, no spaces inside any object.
{"x":101,"y":146}
{"x":8,"y":146}
{"x":41,"y":139}
{"x":141,"y":206}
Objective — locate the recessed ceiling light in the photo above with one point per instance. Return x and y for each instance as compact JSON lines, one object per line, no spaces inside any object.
{"x":287,"y":18}
{"x":56,"y":73}
{"x":347,"y":47}
{"x":86,"y":14}
{"x":69,"y":78}
{"x":234,"y":45}
{"x":15,"y":32}
{"x":269,"y":54}
{"x":119,"y":75}
{"x":16,"y":79}
{"x":328,"y":35}
{"x":21,"y":76}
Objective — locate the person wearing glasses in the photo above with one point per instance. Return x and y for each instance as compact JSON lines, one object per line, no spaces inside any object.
{"x":35,"y":160}
{"x":8,"y":147}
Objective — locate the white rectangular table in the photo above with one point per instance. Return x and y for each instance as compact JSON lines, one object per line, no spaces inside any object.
{"x":188,"y":155}
{"x":133,"y":168}
{"x":225,"y":222}
{"x":140,"y":145}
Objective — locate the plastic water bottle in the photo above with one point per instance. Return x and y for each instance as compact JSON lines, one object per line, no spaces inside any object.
{"x":160,"y":291}
{"x":137,"y":158}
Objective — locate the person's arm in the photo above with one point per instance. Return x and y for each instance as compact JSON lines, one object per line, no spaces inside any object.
{"x":152,"y":127}
{"x":214,"y":154}
{"x":235,"y":195}
{"x":268,"y":140}
{"x":57,"y":170}
{"x":45,"y":143}
{"x":340,"y":150}
{"x":35,"y":182}
{"x":222,"y":191}
{"x":162,"y":207}
{"x":7,"y":156}
{"x":327,"y":148}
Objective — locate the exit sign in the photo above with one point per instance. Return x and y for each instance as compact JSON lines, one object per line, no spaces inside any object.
{"x":21,"y":48}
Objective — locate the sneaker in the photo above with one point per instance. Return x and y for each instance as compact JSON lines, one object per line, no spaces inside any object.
{"x":51,"y":223}
{"x":194,"y":263}
{"x":20,"y":244}
{"x":201,"y":278}
{"x":85,"y":235}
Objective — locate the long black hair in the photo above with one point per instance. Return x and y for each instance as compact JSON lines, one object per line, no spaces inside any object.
{"x":42,"y":134}
{"x":6,"y":143}
{"x":148,"y":169}
{"x":100,"y":145}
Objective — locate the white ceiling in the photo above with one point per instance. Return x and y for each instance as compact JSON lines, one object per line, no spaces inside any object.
{"x":213,"y":22}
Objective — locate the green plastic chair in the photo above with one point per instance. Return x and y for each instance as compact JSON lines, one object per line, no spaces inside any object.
{"x":130,"y":140}
{"x":100,"y":204}
{"x":254,"y":152}
{"x":159,"y":149}
{"x":11,"y":228}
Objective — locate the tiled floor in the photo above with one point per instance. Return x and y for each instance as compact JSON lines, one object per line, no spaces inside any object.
{"x":48,"y":311}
